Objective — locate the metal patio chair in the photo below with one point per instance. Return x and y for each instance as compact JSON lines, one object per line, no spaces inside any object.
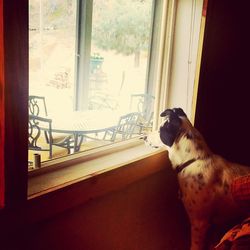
{"x":38,"y":112}
{"x":127,"y":126}
{"x":144,"y":104}
{"x":37,"y":106}
{"x":39,"y":142}
{"x":35,"y":139}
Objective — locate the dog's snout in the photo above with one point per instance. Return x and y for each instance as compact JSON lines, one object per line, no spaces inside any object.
{"x":152,"y":139}
{"x":144,"y":137}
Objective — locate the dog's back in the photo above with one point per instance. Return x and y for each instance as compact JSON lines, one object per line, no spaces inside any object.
{"x":225,"y":207}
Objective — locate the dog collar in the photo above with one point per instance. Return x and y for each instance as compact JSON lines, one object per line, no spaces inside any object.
{"x":179,"y":168}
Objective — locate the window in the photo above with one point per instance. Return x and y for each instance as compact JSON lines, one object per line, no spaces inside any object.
{"x":89,"y":67}
{"x":96,"y":71}
{"x":171,"y":24}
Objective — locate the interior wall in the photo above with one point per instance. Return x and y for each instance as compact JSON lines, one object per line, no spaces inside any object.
{"x":145,"y":215}
{"x":223,"y":95}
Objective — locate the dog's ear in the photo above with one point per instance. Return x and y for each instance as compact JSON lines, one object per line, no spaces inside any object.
{"x":166,"y":112}
{"x":171,"y":127}
{"x":179,"y":112}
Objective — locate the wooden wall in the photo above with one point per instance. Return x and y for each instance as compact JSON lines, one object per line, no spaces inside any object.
{"x":13,"y":101}
{"x":2,"y":110}
{"x":145,"y":215}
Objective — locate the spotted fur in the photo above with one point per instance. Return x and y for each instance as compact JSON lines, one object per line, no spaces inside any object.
{"x":205,"y":182}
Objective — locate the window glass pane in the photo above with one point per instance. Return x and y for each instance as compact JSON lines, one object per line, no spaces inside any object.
{"x":88,"y":70}
{"x":52,"y":36}
{"x":120,"y":49}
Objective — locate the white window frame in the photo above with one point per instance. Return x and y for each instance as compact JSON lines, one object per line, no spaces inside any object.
{"x":167,"y":65}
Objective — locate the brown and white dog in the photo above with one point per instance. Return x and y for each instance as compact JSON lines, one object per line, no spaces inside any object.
{"x":204,"y":178}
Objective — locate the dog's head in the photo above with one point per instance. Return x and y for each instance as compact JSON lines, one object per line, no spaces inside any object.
{"x":171,"y":128}
{"x":179,"y":136}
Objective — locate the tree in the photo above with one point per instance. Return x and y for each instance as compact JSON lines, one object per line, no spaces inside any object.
{"x":54,"y":14}
{"x":123,"y":26}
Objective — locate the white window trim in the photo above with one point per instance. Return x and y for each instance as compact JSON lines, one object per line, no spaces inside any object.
{"x":179,"y":61}
{"x":165,"y":80}
{"x":164,"y":57}
{"x":185,"y":54}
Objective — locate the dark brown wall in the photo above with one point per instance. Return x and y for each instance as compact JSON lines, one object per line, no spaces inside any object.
{"x":145,"y":215}
{"x":13,"y":100}
{"x":223,"y":105}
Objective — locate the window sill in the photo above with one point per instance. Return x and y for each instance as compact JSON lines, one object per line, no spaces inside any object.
{"x":96,"y":164}
{"x":82,"y":181}
{"x":94,"y":176}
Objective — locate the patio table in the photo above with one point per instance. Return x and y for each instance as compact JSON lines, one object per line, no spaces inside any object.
{"x":80,"y":123}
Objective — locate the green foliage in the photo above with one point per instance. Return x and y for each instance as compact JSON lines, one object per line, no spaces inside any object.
{"x":122,"y":25}
{"x":56,"y":14}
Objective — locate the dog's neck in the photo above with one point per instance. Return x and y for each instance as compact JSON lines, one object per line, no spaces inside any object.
{"x":181,"y":167}
{"x":186,"y":149}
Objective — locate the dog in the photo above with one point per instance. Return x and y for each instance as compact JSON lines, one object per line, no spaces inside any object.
{"x":204,"y":178}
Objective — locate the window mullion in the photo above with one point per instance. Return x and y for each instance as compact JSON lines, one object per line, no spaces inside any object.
{"x":83,"y":47}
